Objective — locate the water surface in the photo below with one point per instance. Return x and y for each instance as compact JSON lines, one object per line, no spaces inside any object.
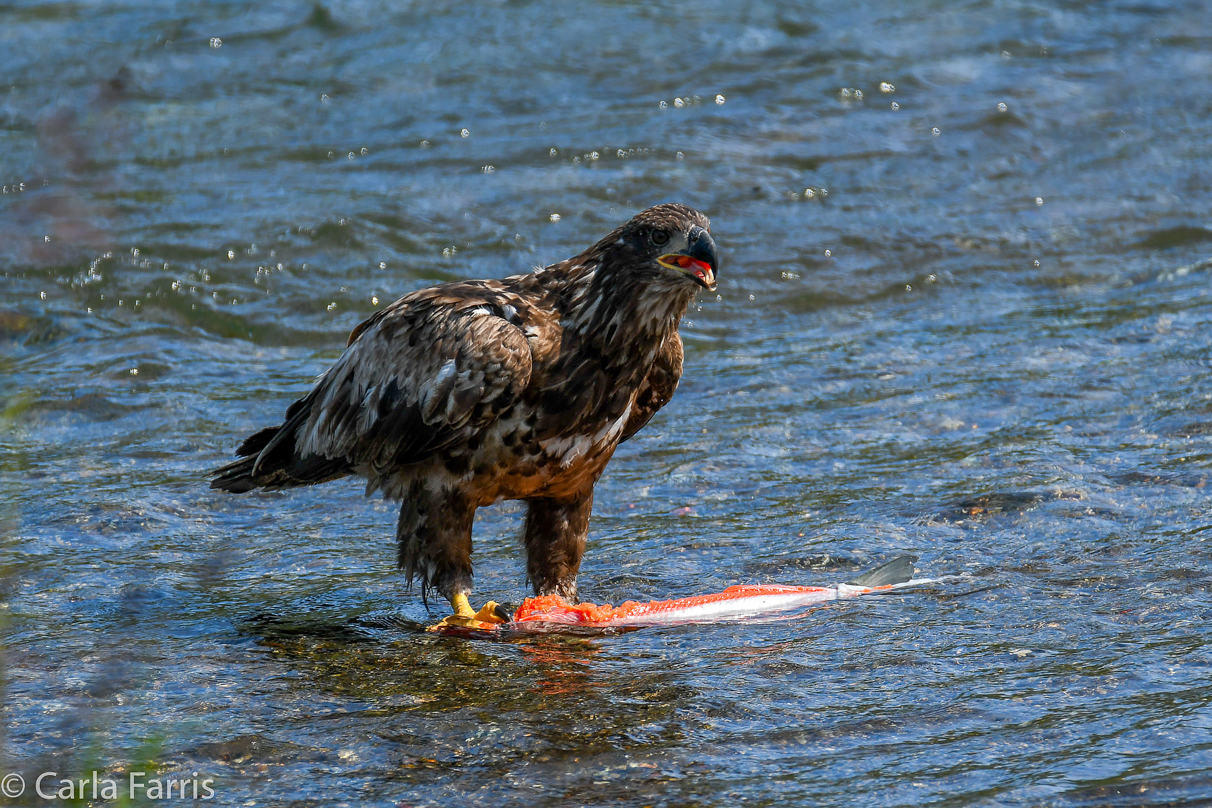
{"x":964,"y":313}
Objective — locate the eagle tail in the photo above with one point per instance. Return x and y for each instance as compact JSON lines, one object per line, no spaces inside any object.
{"x":268,"y":460}
{"x":235,"y":477}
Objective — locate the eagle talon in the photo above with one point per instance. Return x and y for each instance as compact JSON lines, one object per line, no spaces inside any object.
{"x":487,"y":618}
{"x":502,"y":611}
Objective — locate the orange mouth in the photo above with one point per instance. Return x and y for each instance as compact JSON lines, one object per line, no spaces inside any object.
{"x":701,"y":271}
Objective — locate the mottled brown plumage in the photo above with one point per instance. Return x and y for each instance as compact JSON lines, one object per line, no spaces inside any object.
{"x":467,"y":393}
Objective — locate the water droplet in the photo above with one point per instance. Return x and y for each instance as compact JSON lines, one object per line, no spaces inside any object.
{"x":1039,"y":200}
{"x":677,"y":102}
{"x":464,"y":133}
{"x":886,"y":87}
{"x":895,"y":106}
{"x":719,"y":99}
{"x":663,"y":105}
{"x":1001,"y":107}
{"x":935,"y":131}
{"x":680,"y":156}
{"x":215,"y":42}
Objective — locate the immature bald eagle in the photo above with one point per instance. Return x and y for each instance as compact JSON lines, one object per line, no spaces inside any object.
{"x":467,"y":393}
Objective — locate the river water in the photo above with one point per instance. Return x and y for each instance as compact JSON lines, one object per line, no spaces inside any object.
{"x":964,"y":313}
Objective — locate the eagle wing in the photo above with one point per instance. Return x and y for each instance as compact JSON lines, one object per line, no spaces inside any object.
{"x":420,"y":377}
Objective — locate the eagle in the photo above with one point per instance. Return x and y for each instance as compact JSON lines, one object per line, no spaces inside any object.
{"x":471,"y":392}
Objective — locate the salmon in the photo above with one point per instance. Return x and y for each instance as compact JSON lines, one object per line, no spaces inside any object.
{"x":551,"y":612}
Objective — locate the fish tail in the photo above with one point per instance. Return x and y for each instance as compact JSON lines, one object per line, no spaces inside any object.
{"x":897,"y":571}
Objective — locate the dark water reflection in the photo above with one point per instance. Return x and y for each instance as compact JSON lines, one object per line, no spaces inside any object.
{"x":989,"y":347}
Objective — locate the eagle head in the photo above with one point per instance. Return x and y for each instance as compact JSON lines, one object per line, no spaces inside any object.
{"x":665,"y":246}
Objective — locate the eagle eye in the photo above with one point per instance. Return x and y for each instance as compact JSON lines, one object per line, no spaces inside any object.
{"x":659,"y":237}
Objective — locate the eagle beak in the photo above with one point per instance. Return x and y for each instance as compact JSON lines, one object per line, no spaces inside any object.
{"x":700,"y":261}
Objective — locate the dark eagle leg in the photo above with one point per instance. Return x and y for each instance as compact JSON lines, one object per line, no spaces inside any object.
{"x":434,"y":535}
{"x":555,"y":541}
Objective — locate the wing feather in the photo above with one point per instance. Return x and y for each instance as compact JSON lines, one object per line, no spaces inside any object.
{"x":420,"y":379}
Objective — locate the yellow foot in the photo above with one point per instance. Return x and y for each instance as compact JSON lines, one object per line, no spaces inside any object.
{"x":490,"y":616}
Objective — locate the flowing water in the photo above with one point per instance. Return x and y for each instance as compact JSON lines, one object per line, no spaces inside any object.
{"x":964,"y":313}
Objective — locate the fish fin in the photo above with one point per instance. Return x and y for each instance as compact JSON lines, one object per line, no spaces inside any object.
{"x":897,"y":571}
